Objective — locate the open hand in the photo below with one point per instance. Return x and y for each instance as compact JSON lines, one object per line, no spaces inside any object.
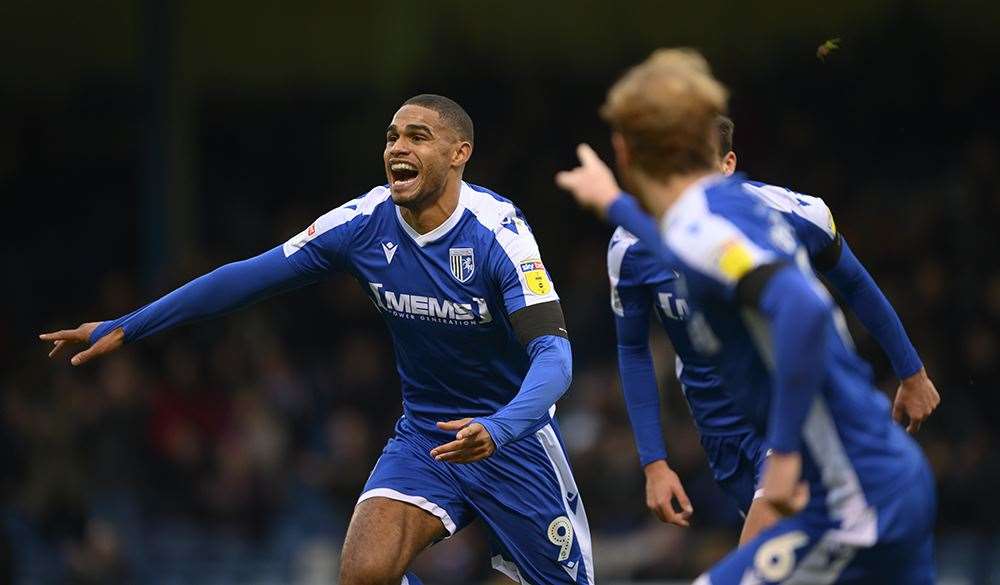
{"x":592,"y":183}
{"x":472,"y":442}
{"x":915,"y":400}
{"x":68,"y":337}
{"x":662,"y":487}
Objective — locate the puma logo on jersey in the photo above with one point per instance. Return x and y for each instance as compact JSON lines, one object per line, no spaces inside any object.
{"x":390,"y":250}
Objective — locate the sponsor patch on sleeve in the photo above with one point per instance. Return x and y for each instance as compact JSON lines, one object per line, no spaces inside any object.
{"x":536,"y":277}
{"x":299,"y":241}
{"x":735,"y":260}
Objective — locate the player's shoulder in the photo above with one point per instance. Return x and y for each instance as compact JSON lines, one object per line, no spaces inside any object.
{"x":361,"y":207}
{"x":492,"y":210}
{"x":794,"y":204}
{"x":709,"y":212}
{"x":627,"y":255}
{"x":350,"y":215}
{"x":500,"y":221}
{"x":714,"y":225}
{"x":621,"y":241}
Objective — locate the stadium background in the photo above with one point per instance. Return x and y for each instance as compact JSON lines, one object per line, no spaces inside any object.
{"x":145,"y":142}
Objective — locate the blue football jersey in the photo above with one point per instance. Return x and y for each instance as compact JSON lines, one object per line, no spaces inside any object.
{"x":640,"y":283}
{"x":854,"y":457}
{"x":445,"y":295}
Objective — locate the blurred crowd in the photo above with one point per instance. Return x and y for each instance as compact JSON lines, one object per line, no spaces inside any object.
{"x":233,"y":451}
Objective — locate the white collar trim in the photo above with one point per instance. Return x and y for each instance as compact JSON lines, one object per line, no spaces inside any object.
{"x":441,"y":230}
{"x":698,"y":186}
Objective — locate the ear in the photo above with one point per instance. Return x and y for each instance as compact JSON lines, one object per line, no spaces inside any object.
{"x":729,"y":163}
{"x":462,"y":154}
{"x":622,"y":153}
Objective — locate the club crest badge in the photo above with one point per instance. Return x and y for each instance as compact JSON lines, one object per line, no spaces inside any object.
{"x":463,"y":263}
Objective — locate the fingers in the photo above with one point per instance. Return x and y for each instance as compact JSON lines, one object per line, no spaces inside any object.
{"x":454,"y":425}
{"x":666,"y":513}
{"x":567,"y":179}
{"x":679,"y":519}
{"x":587,"y":155}
{"x":472,"y":443}
{"x":63,"y":335}
{"x":467,"y":433}
{"x":441,"y":450}
{"x":86,"y":355}
{"x":897,"y":409}
{"x":57,"y":348}
{"x":686,"y":508}
{"x":462,"y":451}
{"x":465,"y":456}
{"x":914,"y":426}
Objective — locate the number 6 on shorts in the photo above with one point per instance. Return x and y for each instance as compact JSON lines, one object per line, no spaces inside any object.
{"x":775,"y":559}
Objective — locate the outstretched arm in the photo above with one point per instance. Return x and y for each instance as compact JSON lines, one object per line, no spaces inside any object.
{"x":917,"y":397}
{"x":223,"y":290}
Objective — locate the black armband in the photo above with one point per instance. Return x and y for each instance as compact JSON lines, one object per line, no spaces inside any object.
{"x":750,"y":287}
{"x":828,"y":257}
{"x":538,"y":320}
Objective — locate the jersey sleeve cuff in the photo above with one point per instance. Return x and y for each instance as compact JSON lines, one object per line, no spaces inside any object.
{"x":104,"y":328}
{"x":494,"y":430}
{"x":652,"y":458}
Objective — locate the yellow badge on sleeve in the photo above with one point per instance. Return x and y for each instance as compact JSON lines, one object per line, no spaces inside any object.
{"x":735,"y":260}
{"x":535,"y":276}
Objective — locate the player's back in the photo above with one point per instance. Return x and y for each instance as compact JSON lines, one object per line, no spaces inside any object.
{"x":632,"y":266}
{"x":855,"y":457}
{"x":444,"y":295}
{"x":639,"y":282}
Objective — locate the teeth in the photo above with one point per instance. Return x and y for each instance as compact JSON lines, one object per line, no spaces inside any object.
{"x":402,"y":166}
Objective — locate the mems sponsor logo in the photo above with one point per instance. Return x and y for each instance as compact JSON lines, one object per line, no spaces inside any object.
{"x":432,"y":309}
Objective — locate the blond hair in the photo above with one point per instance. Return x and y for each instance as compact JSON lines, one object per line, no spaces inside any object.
{"x":667,"y":110}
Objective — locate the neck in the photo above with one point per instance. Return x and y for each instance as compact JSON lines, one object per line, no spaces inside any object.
{"x":661,"y":195}
{"x":435,"y":210}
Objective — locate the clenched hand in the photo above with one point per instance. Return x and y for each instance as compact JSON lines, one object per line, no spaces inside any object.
{"x":915,"y":400}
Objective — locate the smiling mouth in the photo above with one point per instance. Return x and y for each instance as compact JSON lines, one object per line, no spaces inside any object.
{"x":403,"y":174}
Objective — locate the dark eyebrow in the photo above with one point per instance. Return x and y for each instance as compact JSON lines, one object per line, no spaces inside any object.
{"x":419,"y":127}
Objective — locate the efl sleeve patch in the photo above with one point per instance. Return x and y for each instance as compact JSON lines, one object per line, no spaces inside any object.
{"x":535,"y":277}
{"x":735,"y":260}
